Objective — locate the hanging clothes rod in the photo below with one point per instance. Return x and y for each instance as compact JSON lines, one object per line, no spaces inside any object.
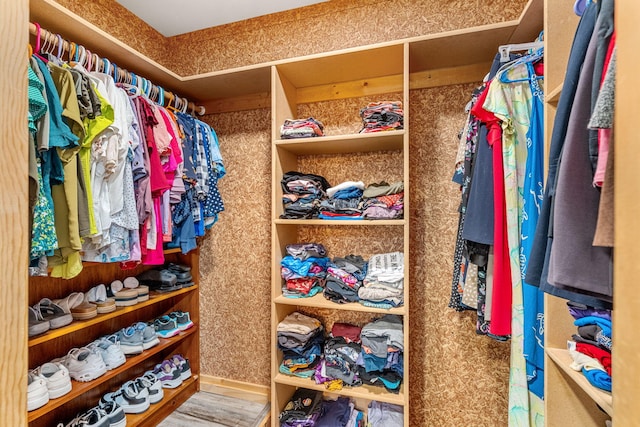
{"x":47,"y":42}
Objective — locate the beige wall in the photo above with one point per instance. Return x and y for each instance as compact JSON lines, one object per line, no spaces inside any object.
{"x":458,"y":378}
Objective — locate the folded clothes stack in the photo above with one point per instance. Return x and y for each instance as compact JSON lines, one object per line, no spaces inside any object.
{"x":303,"y":270}
{"x":383,"y":201}
{"x":344,"y":278}
{"x":301,"y":194}
{"x":383,"y":286}
{"x":343,"y":202}
{"x":382,"y":116}
{"x":300,"y":339}
{"x":341,"y":352}
{"x":381,"y":361}
{"x":591,"y":346}
{"x":302,"y":410}
{"x":301,"y":128}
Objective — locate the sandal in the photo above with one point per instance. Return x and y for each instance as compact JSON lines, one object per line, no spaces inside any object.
{"x":53,"y":313}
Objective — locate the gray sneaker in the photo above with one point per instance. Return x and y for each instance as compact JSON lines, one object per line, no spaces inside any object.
{"x":166,"y":327}
{"x":149,"y":338}
{"x":131,"y":340}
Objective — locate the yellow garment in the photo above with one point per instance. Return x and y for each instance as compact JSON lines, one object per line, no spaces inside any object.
{"x":334,"y":385}
{"x":93,"y":128}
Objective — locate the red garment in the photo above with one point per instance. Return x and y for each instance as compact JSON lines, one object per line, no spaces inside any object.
{"x":302,"y":285}
{"x":601,"y":355}
{"x":351,"y":333}
{"x":502,"y":286}
{"x":391,"y":199}
{"x":159,"y":183}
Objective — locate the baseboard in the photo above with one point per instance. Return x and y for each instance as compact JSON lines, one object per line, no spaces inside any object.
{"x":229,"y":387}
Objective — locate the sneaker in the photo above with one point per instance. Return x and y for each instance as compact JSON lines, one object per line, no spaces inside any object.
{"x":84,"y":365}
{"x":114,"y":413}
{"x":131,"y":340}
{"x":37,"y":392}
{"x":182,"y":364}
{"x":94,"y":417}
{"x":168,"y":374}
{"x":166,"y":327}
{"x":109,"y":348}
{"x":57,"y":378}
{"x":132,"y":398}
{"x":183,"y":320}
{"x":149,"y":337}
{"x":153,"y":384}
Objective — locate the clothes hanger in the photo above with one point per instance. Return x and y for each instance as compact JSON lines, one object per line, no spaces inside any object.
{"x":580,"y":6}
{"x":506,"y":49}
{"x":38,"y":43}
{"x":527,"y":59}
{"x":30,"y":49}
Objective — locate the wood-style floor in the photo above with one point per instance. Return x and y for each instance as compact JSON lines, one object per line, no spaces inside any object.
{"x":205,"y":409}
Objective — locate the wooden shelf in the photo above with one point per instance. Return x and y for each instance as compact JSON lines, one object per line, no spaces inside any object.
{"x":340,"y":144}
{"x":554,"y":95}
{"x":350,"y":222}
{"x":319,"y":301}
{"x":77,"y":325}
{"x":562,"y":358}
{"x":160,"y":410}
{"x":79,"y":388}
{"x":366,"y":392}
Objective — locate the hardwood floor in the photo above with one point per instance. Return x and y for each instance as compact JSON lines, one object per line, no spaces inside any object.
{"x":205,"y":409}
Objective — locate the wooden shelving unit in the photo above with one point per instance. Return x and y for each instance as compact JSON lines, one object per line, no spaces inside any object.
{"x":299,"y":82}
{"x":78,"y":325}
{"x":58,"y":342}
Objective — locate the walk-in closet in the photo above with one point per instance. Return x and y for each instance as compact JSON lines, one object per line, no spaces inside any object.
{"x":307,"y":247}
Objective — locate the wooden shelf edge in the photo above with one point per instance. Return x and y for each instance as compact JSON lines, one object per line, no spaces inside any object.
{"x":341,"y":138}
{"x":318,"y":301}
{"x":77,"y":325}
{"x":554,"y":95}
{"x":341,"y":222}
{"x":362,"y":392}
{"x":562,"y":358}
{"x":79,"y":388}
{"x":180,"y":394}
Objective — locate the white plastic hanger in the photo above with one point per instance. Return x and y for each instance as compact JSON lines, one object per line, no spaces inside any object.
{"x":506,"y":49}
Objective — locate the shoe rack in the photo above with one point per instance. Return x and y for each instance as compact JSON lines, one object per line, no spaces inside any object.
{"x":57,"y":342}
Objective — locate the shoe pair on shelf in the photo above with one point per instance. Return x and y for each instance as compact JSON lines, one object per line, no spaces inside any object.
{"x":108,"y":415}
{"x":46,"y":382}
{"x":135,"y":396}
{"x":167,"y":279}
{"x":173,"y":371}
{"x":46,"y":315}
{"x":136,"y":338}
{"x":128,"y":292}
{"x":172,"y":324}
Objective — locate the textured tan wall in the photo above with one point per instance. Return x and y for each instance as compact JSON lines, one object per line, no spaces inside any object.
{"x":116,"y":20}
{"x":336,"y":24}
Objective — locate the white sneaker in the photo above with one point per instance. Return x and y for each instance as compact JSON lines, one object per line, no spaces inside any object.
{"x":85,"y":365}
{"x":56,"y":377}
{"x":132,"y":398}
{"x":109,"y":348}
{"x":37,"y":392}
{"x":149,"y":381}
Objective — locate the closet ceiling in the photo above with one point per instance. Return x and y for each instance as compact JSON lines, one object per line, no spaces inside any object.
{"x":170,"y":17}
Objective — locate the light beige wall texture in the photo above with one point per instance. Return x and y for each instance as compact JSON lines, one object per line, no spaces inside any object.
{"x":458,"y":378}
